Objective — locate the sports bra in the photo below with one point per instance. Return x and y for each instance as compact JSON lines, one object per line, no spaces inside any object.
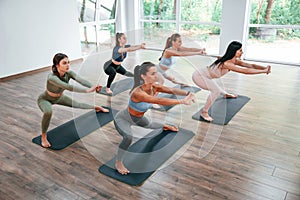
{"x":216,"y":71}
{"x":139,"y":106}
{"x":119,"y":57}
{"x":167,"y":62}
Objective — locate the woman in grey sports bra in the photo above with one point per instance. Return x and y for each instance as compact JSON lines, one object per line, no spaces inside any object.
{"x":143,"y":95}
{"x":174,"y":48}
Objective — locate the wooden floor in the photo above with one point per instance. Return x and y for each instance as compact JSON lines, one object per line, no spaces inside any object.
{"x":256,"y":156}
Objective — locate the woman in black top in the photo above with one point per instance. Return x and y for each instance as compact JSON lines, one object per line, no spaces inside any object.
{"x":113,"y":66}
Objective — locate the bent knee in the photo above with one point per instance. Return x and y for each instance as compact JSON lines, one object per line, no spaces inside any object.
{"x":48,"y":113}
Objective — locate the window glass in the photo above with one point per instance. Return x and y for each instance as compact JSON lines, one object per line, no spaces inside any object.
{"x":207,"y":36}
{"x":86,"y":10}
{"x":279,"y":12}
{"x":107,"y":9}
{"x":274,"y":32}
{"x":279,"y":45}
{"x":201,"y":10}
{"x":155,"y":34}
{"x":158,"y":10}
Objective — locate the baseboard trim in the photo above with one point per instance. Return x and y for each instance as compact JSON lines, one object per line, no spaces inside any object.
{"x":42,"y":69}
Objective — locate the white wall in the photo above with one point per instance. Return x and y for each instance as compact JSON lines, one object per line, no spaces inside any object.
{"x":32,"y":31}
{"x":234,"y":23}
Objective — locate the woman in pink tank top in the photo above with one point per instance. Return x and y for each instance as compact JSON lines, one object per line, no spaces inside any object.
{"x":231,"y":61}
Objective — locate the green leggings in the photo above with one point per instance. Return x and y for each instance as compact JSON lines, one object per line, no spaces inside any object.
{"x":45,"y":103}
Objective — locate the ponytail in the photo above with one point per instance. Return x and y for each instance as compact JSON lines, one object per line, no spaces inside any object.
{"x":54,"y":70}
{"x":169,"y":42}
{"x":140,"y":70}
{"x":232,"y":48}
{"x":118,"y":36}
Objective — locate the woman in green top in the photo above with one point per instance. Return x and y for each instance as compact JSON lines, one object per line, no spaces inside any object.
{"x":57,"y":82}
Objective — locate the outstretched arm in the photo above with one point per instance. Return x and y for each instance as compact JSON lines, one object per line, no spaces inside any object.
{"x":188,"y":49}
{"x":55,"y":81}
{"x":132,"y":48}
{"x":164,"y":89}
{"x":170,"y":52}
{"x":246,"y":70}
{"x":80,"y":80}
{"x":140,"y":96}
{"x":85,"y":83}
{"x":250,"y":65}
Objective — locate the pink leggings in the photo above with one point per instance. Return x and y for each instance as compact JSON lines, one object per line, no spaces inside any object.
{"x":202,"y":79}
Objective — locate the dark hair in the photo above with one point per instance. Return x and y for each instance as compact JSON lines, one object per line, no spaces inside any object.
{"x":230,"y":52}
{"x":118,"y":36}
{"x":138,"y":71}
{"x":169,"y":42}
{"x":56,"y":59}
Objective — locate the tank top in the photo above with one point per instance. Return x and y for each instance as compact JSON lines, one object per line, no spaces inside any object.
{"x":119,"y":57}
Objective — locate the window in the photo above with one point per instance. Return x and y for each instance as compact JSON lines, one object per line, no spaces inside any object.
{"x":97,"y":22}
{"x":198,"y":21}
{"x":274,"y":33}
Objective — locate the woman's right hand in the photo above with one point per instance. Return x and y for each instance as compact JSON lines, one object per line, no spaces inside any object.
{"x":189,"y":99}
{"x":268,"y":69}
{"x":143,"y":46}
{"x":203,"y":51}
{"x":92,"y":89}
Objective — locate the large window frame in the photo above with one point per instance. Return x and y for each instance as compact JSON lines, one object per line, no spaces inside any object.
{"x":97,"y":23}
{"x":178,"y":22}
{"x":270,"y":26}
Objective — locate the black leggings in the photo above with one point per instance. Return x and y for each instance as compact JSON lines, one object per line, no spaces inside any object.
{"x":111,"y":69}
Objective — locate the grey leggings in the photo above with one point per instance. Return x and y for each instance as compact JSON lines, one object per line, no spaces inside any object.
{"x":45,"y":103}
{"x":123,"y":122}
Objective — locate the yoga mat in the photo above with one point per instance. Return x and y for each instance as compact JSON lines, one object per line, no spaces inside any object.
{"x":223,"y":110}
{"x":118,"y":87}
{"x":173,"y":96}
{"x":71,"y":131}
{"x":146,"y":155}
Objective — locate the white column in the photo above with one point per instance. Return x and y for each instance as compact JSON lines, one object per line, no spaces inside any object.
{"x":234,"y":23}
{"x":121,"y":16}
{"x":127,"y":20}
{"x":178,"y":15}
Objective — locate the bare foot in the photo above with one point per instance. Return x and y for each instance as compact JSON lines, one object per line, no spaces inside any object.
{"x":45,"y":142}
{"x":108,"y":91}
{"x":121,"y":168}
{"x":206,"y":116}
{"x":100,"y":108}
{"x":170,"y":128}
{"x":230,"y":96}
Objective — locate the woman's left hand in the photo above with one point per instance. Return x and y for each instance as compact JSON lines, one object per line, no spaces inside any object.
{"x":143,"y":46}
{"x":98,"y":88}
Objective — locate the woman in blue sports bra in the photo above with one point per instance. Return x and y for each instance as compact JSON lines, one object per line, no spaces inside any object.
{"x":113,"y":66}
{"x":143,"y":95}
{"x":173,"y":49}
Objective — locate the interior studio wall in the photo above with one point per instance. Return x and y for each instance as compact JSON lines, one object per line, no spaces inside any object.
{"x":32,"y":31}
